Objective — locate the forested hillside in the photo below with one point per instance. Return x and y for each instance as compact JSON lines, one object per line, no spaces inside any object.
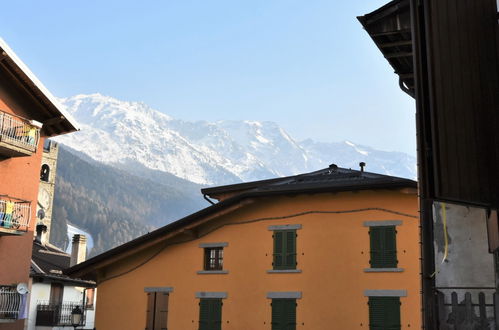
{"x":113,"y":205}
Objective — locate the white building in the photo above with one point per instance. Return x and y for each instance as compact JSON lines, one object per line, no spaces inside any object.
{"x":53,"y":295}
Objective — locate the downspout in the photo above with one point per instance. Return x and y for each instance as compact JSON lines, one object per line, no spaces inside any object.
{"x":405,"y":89}
{"x":209,"y":200}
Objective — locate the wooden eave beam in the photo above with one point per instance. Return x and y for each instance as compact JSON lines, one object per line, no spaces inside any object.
{"x":389,"y":33}
{"x":396,"y":43}
{"x":406,"y":75}
{"x":22,"y":85}
{"x":47,"y":131}
{"x":399,"y":54}
{"x":186,"y":229}
{"x":53,"y":121}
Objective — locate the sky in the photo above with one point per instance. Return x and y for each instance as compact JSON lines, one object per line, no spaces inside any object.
{"x":307,"y":65}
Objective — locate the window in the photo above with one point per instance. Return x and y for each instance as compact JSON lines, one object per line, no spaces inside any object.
{"x":284,"y":249}
{"x":45,"y":173}
{"x":89,"y":298}
{"x":213,"y":258}
{"x":383,"y":247}
{"x":157,"y":310}
{"x":283,"y":314}
{"x":46,"y":145}
{"x":56,"y":292}
{"x":384,"y":313}
{"x":210,"y":314}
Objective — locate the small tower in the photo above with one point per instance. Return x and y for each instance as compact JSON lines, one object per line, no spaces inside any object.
{"x":46,"y":188}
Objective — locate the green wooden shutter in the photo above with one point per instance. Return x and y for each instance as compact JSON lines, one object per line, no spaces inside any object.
{"x":278,"y":250}
{"x":204,"y":314}
{"x":210,"y":314}
{"x":384,"y":313}
{"x":283,"y":314}
{"x":277,"y":314}
{"x":383,"y":247}
{"x":285,"y":249}
{"x":216,"y":313}
{"x":290,"y":262}
{"x":290,"y":314}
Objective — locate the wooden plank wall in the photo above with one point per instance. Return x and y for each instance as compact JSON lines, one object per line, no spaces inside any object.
{"x":464,"y":99}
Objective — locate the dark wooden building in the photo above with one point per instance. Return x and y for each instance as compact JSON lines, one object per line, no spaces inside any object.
{"x":445,"y":53}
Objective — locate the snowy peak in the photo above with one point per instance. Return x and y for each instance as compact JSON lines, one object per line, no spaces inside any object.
{"x":125,"y":133}
{"x":96,"y":107}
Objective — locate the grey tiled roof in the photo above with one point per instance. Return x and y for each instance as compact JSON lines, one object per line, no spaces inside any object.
{"x":332,"y":178}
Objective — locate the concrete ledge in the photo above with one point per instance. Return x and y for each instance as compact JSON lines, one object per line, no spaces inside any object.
{"x":383,"y":270}
{"x":218,"y":295}
{"x":213,"y":272}
{"x":158,"y":289}
{"x":385,"y":293}
{"x":271,"y":271}
{"x":213,"y":245}
{"x":285,"y":227}
{"x":383,"y":223}
{"x":7,"y":232}
{"x":284,"y":295}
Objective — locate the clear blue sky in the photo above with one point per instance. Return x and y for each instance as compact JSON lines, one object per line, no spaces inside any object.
{"x":307,"y":65}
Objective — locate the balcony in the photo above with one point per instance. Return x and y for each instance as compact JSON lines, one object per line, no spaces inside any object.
{"x":14,"y":216}
{"x":57,"y":315}
{"x":18,"y":137}
{"x":467,"y":308}
{"x":10,"y":302}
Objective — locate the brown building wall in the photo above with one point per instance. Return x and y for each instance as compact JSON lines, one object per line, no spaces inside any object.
{"x":332,"y":253}
{"x":19,"y":178}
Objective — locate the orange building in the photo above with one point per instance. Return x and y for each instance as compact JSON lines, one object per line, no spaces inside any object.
{"x":331,"y":249}
{"x":28,"y":114}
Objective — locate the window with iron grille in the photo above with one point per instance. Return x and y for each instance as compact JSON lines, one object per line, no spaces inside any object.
{"x":213,"y":258}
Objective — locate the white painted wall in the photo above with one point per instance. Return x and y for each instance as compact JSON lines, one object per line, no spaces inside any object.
{"x":468,"y":264}
{"x":40,"y":292}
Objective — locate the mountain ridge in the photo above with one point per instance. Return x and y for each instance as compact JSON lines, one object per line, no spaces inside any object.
{"x":120,"y":133}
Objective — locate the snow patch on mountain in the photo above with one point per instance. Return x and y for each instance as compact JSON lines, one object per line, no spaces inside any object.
{"x":119,"y":133}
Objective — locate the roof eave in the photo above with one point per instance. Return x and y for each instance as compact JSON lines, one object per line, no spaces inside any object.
{"x":36,"y":84}
{"x":400,"y":60}
{"x":67,"y":280}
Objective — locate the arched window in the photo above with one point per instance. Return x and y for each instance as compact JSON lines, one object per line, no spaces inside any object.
{"x":45,"y":173}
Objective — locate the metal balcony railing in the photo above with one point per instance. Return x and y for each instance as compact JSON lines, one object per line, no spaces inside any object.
{"x":18,"y":132}
{"x":466,"y":308}
{"x":14,"y":215}
{"x":52,"y":315}
{"x":10,"y":302}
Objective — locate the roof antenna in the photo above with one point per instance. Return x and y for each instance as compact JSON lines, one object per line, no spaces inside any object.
{"x":362,"y":165}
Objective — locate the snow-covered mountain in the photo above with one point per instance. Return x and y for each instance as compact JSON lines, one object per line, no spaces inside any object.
{"x":131,"y":135}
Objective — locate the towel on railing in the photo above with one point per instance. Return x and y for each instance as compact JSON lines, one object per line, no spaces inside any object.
{"x":23,"y":307}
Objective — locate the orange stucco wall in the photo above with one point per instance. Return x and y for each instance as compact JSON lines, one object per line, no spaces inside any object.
{"x":332,"y":253}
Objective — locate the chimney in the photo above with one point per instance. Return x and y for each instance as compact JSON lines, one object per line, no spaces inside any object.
{"x":333,"y":168}
{"x":41,"y":233}
{"x":78,"y":249}
{"x":362,"y":165}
